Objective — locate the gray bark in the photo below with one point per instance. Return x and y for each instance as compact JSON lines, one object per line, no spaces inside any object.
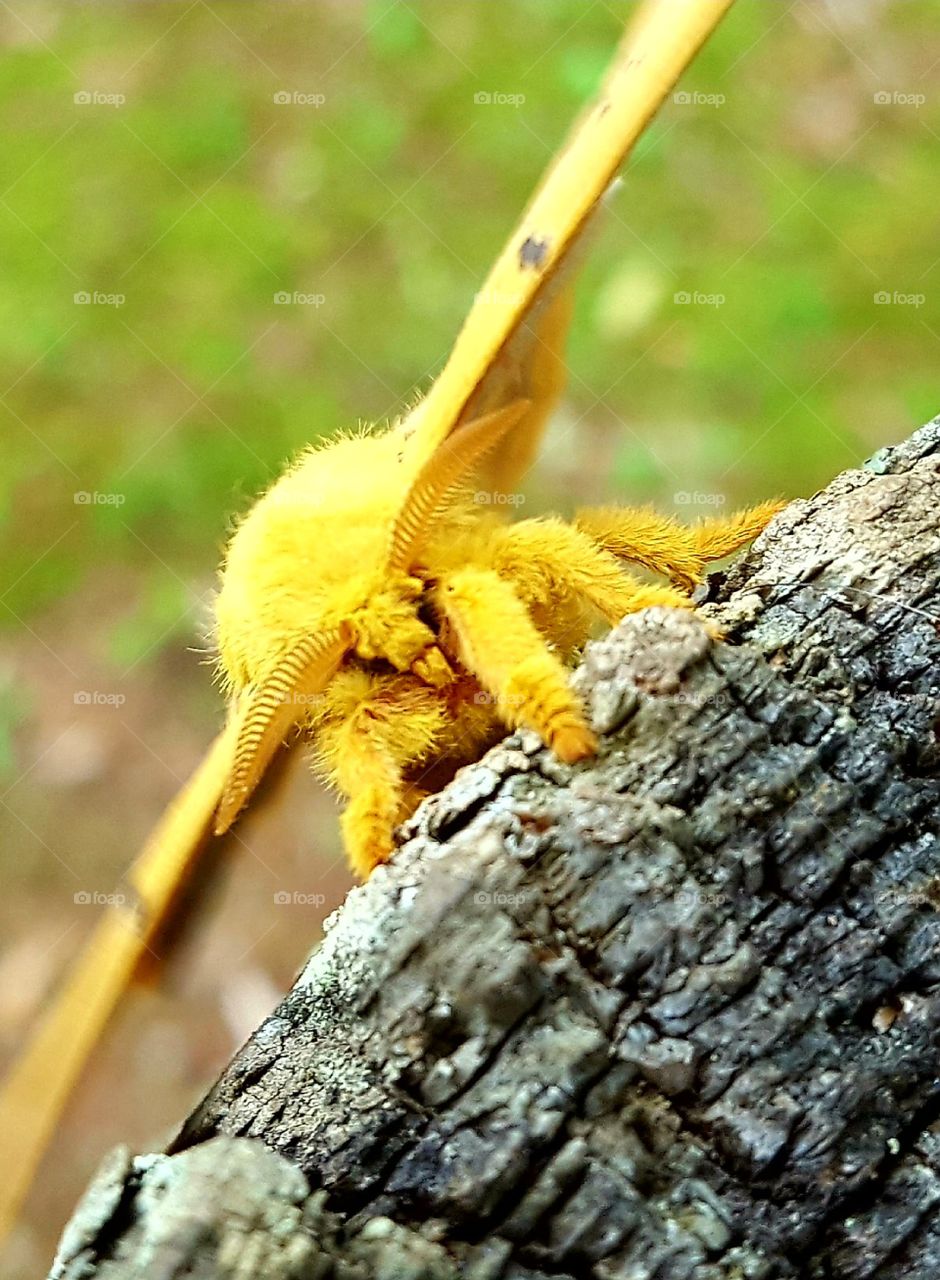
{"x":671,"y":1014}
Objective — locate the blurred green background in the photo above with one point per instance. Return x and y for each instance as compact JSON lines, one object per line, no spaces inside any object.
{"x":757,"y":311}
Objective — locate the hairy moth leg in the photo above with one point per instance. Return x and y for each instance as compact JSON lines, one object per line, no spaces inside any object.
{"x":500,"y":645}
{"x":665,"y":545}
{"x":645,"y":537}
{"x":722,"y":535}
{"x":554,"y":557}
{"x":366,"y":748}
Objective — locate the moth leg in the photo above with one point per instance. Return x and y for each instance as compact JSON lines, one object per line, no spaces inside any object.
{"x":642,"y":535}
{"x":552,"y":559}
{"x":433,"y":668}
{"x":665,"y":545}
{"x":723,"y":535}
{"x":365,"y":751}
{"x":501,"y":646}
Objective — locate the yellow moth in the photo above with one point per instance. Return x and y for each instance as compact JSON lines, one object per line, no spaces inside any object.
{"x":371,"y":609}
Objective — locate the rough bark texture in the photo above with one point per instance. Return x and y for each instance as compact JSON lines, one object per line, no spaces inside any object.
{"x":672,"y":1015}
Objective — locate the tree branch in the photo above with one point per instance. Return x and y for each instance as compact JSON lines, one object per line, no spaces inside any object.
{"x":672,"y":1014}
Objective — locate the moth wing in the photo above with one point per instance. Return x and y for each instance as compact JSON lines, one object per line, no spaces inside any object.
{"x":38,"y":1087}
{"x":511,"y":346}
{"x":531,"y":365}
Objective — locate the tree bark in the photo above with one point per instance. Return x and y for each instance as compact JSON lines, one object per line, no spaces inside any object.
{"x":670,"y":1015}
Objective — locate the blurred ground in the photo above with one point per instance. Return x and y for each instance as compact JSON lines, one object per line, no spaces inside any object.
{"x":228,"y":228}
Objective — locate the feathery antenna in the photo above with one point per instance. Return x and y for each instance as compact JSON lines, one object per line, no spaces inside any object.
{"x":441,"y":475}
{"x":270,"y":711}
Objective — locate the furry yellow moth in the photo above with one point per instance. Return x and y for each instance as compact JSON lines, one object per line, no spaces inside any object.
{"x":370,"y":608}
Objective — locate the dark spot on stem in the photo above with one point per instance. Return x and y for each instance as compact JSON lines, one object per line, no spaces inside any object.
{"x":533,"y":252}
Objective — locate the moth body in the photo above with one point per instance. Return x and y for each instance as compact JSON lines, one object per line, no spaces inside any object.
{"x":418,"y":666}
{"x":303,"y":547}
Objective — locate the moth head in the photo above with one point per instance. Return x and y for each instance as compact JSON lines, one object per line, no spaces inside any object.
{"x":271,"y":706}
